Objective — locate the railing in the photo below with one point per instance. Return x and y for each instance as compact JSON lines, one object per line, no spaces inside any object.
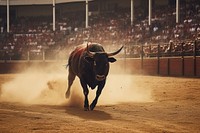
{"x":191,"y":48}
{"x":145,"y":59}
{"x":181,"y":53}
{"x":130,"y":51}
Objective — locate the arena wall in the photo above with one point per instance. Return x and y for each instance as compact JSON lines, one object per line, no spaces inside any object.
{"x":178,"y":66}
{"x":186,"y":67}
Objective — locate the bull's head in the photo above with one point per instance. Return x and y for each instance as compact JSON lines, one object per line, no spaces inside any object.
{"x":100,"y":62}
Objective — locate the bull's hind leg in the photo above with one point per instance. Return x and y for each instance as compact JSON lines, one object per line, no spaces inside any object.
{"x":71,"y":78}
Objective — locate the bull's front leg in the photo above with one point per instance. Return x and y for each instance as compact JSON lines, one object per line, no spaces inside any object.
{"x":85,"y":91}
{"x":98,"y":93}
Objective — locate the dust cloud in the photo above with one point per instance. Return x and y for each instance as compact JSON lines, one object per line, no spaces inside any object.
{"x":35,"y":86}
{"x":121,"y":88}
{"x":47,"y":85}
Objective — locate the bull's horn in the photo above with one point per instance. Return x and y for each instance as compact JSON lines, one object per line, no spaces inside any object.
{"x":116,"y":52}
{"x":91,"y":54}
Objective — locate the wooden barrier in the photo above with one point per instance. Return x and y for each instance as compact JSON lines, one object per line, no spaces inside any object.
{"x":164,"y":64}
{"x":188,"y":66}
{"x":178,"y":66}
{"x":175,"y":67}
{"x":197,"y":66}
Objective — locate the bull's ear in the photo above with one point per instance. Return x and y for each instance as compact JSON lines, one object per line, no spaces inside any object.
{"x":89,"y":59}
{"x":111,"y":59}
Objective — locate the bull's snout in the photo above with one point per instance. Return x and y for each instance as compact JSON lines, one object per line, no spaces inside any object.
{"x":100,"y":77}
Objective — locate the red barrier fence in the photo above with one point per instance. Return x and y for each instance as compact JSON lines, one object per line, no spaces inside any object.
{"x":177,"y":66}
{"x":173,"y":59}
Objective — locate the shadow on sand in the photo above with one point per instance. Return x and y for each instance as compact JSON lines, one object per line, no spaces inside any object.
{"x":96,"y":115}
{"x":89,"y":115}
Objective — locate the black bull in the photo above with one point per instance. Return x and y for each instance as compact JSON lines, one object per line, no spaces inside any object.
{"x":91,"y":64}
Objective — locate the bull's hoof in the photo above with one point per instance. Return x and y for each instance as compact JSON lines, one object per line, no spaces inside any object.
{"x":91,"y":107}
{"x":86,"y":108}
{"x":67,"y":95}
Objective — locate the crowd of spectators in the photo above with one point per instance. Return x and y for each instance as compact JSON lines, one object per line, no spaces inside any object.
{"x":112,"y":29}
{"x":34,"y":36}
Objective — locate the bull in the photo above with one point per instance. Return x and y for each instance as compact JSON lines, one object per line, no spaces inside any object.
{"x":91,"y":64}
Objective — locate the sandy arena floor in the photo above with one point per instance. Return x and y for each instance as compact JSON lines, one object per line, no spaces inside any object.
{"x":36,"y":103}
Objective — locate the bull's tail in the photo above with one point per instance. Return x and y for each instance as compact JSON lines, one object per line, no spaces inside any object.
{"x":66,"y":66}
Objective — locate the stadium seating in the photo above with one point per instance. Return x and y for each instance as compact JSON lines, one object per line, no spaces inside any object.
{"x":35,"y":34}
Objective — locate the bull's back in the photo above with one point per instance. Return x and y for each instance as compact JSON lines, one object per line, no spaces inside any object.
{"x":75,"y":57}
